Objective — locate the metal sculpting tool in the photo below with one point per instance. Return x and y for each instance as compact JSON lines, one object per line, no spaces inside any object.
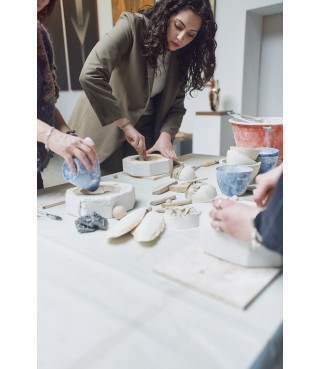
{"x":42,"y":214}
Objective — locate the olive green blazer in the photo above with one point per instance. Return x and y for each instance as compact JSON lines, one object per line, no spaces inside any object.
{"x":117,"y":82}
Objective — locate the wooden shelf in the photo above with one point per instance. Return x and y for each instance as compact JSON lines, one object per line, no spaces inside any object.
{"x":212,"y":112}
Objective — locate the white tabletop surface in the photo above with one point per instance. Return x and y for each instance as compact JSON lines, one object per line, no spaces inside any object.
{"x":101,"y":306}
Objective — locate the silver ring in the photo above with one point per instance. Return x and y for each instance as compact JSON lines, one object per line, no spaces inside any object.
{"x":219,"y":204}
{"x":218,"y":227}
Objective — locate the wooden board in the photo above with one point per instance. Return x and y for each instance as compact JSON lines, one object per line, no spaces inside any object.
{"x":119,"y":6}
{"x":230,"y":283}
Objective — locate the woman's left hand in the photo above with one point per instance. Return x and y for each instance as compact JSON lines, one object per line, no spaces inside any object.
{"x":164,"y":146}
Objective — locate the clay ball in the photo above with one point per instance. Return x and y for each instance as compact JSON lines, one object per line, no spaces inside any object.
{"x":119,"y":212}
{"x":187,"y":174}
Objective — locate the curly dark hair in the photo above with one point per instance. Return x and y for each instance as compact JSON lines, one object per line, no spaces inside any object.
{"x":197,"y":60}
{"x":46,"y":11}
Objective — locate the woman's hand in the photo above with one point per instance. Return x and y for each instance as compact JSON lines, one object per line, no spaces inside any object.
{"x":68,"y":146}
{"x":135,"y":139}
{"x":233,"y":218}
{"x":266,"y":182}
{"x":164,"y":146}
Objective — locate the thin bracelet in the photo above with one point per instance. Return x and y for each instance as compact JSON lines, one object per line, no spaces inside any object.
{"x":125,"y":124}
{"x":47,"y":138}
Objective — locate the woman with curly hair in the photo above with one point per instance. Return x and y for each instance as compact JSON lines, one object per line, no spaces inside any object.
{"x":136,"y":78}
{"x":51,"y":127}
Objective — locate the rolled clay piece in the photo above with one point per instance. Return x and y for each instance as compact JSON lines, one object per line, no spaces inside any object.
{"x":150,"y":227}
{"x":162,"y":200}
{"x":127,"y":223}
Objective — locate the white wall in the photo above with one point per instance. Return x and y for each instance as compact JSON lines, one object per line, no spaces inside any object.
{"x":270,"y":101}
{"x":231,"y":16}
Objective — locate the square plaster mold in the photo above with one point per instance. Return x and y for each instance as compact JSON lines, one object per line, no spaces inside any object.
{"x":222,"y":246}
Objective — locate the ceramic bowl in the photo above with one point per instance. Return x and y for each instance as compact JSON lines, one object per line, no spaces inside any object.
{"x":246,"y":151}
{"x":234,"y":158}
{"x":268,"y":157}
{"x":233,"y":179}
{"x":255,"y":168}
{"x":84,"y":179}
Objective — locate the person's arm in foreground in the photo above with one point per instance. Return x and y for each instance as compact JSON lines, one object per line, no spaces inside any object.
{"x":65,"y":145}
{"x":236,"y":219}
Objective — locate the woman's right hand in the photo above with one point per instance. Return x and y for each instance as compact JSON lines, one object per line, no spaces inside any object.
{"x":135,"y":139}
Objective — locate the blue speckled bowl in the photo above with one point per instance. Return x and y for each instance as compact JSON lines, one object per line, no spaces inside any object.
{"x":233,"y":179}
{"x":268,"y":157}
{"x":84,"y":179}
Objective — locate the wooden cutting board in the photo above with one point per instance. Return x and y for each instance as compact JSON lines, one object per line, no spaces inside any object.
{"x":230,"y":283}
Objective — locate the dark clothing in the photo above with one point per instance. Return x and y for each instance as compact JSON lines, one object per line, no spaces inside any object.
{"x":39,"y":181}
{"x":269,"y":222}
{"x":113,"y":163}
{"x":47,"y":89}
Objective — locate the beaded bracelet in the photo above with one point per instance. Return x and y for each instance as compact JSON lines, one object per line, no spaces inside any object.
{"x":125,"y":124}
{"x":47,"y":138}
{"x":72,"y":133}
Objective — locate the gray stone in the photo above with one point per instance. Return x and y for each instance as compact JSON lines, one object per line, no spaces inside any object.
{"x":91,"y":222}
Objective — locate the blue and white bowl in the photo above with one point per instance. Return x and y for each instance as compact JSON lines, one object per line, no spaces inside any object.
{"x":268,"y":157}
{"x":233,"y":179}
{"x":84,"y":179}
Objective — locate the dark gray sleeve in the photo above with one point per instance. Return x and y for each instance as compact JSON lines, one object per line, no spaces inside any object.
{"x":269,"y":222}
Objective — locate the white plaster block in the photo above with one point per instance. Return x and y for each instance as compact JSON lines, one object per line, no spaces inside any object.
{"x":103,"y":204}
{"x":222,"y":246}
{"x":155,"y":164}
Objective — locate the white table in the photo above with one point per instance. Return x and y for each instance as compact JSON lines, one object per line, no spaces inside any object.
{"x":100,"y":305}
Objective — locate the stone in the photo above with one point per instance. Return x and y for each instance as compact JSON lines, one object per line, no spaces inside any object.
{"x":91,"y":222}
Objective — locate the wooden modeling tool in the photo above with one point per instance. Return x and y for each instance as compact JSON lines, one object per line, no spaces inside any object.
{"x":164,"y":187}
{"x":177,"y":203}
{"x":179,"y":187}
{"x":206,"y":164}
{"x":162,"y":200}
